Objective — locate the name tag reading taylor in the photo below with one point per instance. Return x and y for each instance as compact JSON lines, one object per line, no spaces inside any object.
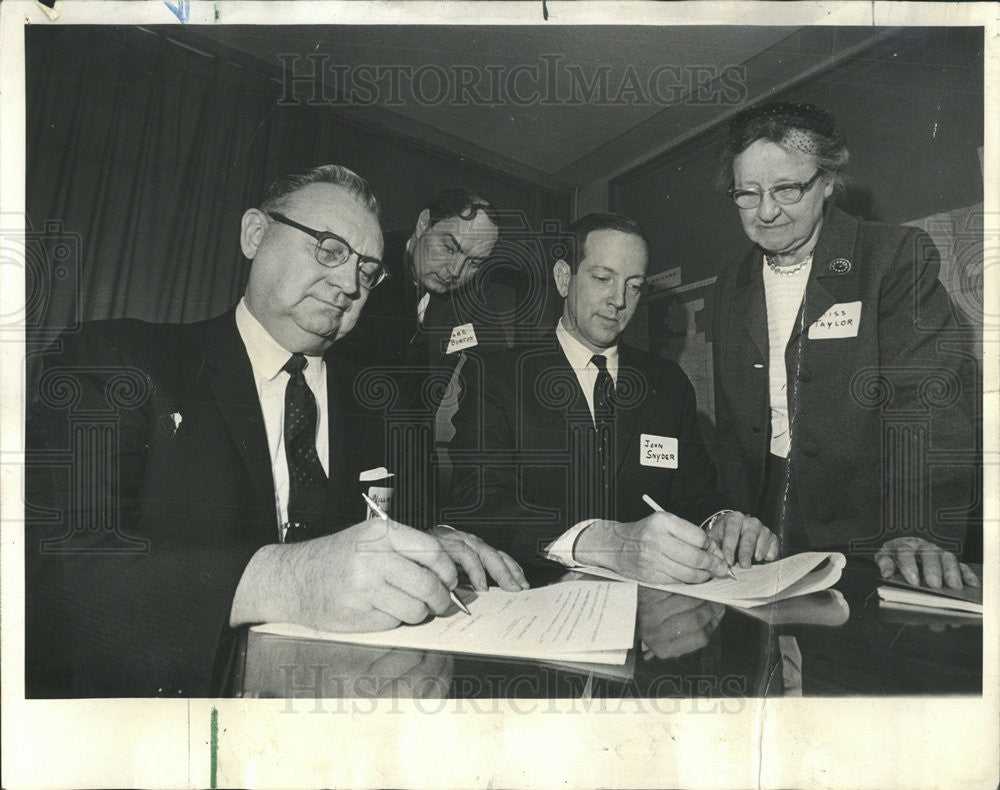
{"x":841,"y":320}
{"x":658,"y":451}
{"x":463,"y":336}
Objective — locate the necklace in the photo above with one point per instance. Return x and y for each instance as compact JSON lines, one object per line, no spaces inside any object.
{"x":788,"y":271}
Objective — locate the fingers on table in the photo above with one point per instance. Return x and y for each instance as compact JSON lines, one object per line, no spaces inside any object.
{"x":509,"y":574}
{"x":969,"y":576}
{"x":516,"y":569}
{"x":773,"y":547}
{"x":677,"y":564}
{"x":731,"y":539}
{"x":886,"y":564}
{"x":470,"y":561}
{"x":750,"y":542}
{"x":684,"y":554}
{"x":906,"y":560}
{"x":422,"y":587}
{"x":425,"y":550}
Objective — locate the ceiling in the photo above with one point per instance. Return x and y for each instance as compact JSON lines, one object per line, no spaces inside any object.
{"x":559,"y":106}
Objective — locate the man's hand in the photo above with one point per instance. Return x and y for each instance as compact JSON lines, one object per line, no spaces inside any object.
{"x":744,"y":537}
{"x":478,"y":558}
{"x":673,"y":625}
{"x":909,"y":553}
{"x":661,"y":548}
{"x":369,"y":577}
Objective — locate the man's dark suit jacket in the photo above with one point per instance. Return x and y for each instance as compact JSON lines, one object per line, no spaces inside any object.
{"x":524,"y":449}
{"x":885,"y":424}
{"x":152,"y":478}
{"x":412,"y":362}
{"x":389,"y":336}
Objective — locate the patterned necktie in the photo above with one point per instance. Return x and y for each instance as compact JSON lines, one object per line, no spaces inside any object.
{"x":604,"y":424}
{"x":604,"y":392}
{"x":306,"y":478}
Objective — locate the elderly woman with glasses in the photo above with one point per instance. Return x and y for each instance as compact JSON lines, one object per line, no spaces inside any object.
{"x":845,"y":393}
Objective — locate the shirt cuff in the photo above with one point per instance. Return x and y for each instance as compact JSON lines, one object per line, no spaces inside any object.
{"x":561,"y":549}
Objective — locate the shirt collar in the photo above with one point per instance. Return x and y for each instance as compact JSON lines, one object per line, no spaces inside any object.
{"x":267,"y":356}
{"x":578,"y":354}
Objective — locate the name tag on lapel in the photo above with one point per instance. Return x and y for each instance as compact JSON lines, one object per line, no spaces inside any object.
{"x":658,"y":451}
{"x":841,"y":320}
{"x":463,"y":336}
{"x":380,"y":496}
{"x":378,"y":484}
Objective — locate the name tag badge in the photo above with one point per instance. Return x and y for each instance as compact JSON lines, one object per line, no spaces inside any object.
{"x":658,"y":451}
{"x":381,"y":497}
{"x":841,"y":320}
{"x":463,"y":336}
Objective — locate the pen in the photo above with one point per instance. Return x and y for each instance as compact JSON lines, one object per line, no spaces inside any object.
{"x":652,"y":503}
{"x":385,"y":517}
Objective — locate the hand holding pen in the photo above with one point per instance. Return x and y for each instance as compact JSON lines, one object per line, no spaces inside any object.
{"x":378,"y":511}
{"x":712,"y":547}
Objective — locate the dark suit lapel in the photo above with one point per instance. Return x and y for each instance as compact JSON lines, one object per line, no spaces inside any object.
{"x":560,"y":381}
{"x":833,"y":278}
{"x":231,"y":383}
{"x":632,"y":389}
{"x":748,"y":302}
{"x":343,"y":497}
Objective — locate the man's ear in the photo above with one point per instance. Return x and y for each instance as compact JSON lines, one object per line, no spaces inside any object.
{"x":252,"y":229}
{"x":423,"y":223}
{"x":562,"y":274}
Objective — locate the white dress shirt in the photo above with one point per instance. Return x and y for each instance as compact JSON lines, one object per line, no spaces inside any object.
{"x":783,"y":296}
{"x":578,"y":356}
{"x":561,"y":549}
{"x":267,"y":358}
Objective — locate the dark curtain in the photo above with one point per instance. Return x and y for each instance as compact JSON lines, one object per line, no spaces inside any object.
{"x":141,"y":158}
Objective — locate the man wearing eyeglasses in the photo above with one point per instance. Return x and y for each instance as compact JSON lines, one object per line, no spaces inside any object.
{"x":438,"y":307}
{"x":231,"y":494}
{"x":428,"y":312}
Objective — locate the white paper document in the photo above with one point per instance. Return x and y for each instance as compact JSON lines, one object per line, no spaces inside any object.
{"x":799,"y":574}
{"x":570,"y":621}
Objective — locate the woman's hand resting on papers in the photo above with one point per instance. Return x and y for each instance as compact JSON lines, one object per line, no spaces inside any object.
{"x":909,"y":554}
{"x":477,"y":558}
{"x":744,"y":538}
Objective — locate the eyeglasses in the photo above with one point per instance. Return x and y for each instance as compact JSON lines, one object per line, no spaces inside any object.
{"x":785,"y":194}
{"x":333,"y":251}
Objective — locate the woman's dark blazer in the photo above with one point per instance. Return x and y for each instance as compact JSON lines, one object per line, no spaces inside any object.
{"x":885,"y":423}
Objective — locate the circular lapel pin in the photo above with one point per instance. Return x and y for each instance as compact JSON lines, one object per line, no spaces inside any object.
{"x":840,"y":266}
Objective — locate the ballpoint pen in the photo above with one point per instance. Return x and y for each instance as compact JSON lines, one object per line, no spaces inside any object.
{"x":652,"y":503}
{"x":378,"y":511}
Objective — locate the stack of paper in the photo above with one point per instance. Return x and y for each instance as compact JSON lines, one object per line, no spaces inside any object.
{"x":571,"y":621}
{"x":799,"y":574}
{"x":900,"y":594}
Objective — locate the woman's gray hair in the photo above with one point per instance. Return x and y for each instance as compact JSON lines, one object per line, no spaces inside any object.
{"x":803,"y":127}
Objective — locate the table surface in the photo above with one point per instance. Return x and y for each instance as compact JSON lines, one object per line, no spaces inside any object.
{"x":835,"y":643}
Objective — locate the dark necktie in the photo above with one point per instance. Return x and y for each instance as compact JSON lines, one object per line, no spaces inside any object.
{"x":306,"y":479}
{"x":604,"y":423}
{"x":604,"y":391}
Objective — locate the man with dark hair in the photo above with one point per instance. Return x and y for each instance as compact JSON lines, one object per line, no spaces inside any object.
{"x":574,"y":432}
{"x":438,"y":308}
{"x":230,"y":472}
{"x":430,"y":310}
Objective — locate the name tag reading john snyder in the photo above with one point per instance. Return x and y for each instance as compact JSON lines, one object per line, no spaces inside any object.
{"x":658,"y":451}
{"x":463,"y":336}
{"x":841,"y":320}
